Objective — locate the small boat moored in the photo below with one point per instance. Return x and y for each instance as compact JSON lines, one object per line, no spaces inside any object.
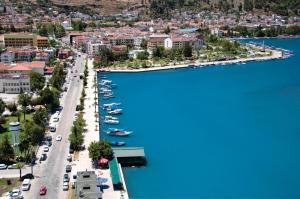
{"x":118,"y":132}
{"x":115,"y":112}
{"x":111,"y":121}
{"x":116,"y":143}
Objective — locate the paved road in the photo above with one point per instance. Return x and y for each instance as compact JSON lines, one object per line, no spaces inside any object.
{"x":50,"y":173}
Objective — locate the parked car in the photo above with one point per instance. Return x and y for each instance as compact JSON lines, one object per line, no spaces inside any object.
{"x":43,"y":157}
{"x":66,"y":186}
{"x":82,"y":147}
{"x":52,"y":127}
{"x":46,"y":148}
{"x":49,"y":138}
{"x":71,"y":151}
{"x":26,"y":185}
{"x":66,"y":177}
{"x":43,"y":190}
{"x":49,"y":143}
{"x":69,"y":157}
{"x":16,"y":194}
{"x":3,"y":166}
{"x":12,"y":166}
{"x":68,"y":168}
{"x":58,"y":138}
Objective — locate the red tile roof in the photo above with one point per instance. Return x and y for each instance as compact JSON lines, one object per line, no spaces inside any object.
{"x":18,"y":67}
{"x":3,"y":67}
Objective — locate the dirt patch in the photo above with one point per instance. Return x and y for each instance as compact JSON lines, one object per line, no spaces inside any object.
{"x":6,"y":187}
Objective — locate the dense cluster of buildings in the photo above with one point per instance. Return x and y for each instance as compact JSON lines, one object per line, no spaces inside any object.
{"x":119,"y":39}
{"x":23,"y":53}
{"x":15,"y":77}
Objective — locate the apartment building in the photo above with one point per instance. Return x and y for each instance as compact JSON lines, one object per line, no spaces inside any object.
{"x":14,"y":84}
{"x":157,"y":40}
{"x":25,"y":39}
{"x":20,"y":39}
{"x":42,"y":42}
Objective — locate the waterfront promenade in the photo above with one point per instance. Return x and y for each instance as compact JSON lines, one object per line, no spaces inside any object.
{"x":82,"y":160}
{"x":276,"y":54}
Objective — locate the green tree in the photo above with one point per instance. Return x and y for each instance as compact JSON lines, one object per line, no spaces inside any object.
{"x":248,"y":5}
{"x":37,"y":81}
{"x":59,"y":31}
{"x":34,"y":133}
{"x":24,"y":145}
{"x":100,"y":149}
{"x":40,"y":117}
{"x":42,"y":30}
{"x":58,"y":77}
{"x":50,"y":97}
{"x":76,"y":137}
{"x":12,"y":107}
{"x":52,"y":43}
{"x":78,"y":25}
{"x":144,"y":44}
{"x":24,"y":100}
{"x":20,"y":166}
{"x":143,"y":55}
{"x":6,"y":150}
{"x":94,"y":152}
{"x":2,"y":122}
{"x":2,"y":106}
{"x":158,"y":52}
{"x":187,"y":51}
{"x":167,"y":30}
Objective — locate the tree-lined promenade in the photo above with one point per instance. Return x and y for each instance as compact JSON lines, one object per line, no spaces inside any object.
{"x":215,"y":49}
{"x":33,"y":112}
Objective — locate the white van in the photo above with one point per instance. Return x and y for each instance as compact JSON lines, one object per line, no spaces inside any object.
{"x":55,"y":117}
{"x":26,"y":185}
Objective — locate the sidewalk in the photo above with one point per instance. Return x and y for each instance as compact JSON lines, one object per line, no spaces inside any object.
{"x":84,"y":162}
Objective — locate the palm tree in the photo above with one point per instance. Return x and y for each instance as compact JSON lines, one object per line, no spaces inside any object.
{"x":24,"y":100}
{"x":20,"y":166}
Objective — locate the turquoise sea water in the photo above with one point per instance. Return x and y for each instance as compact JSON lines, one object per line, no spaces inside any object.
{"x":217,"y":132}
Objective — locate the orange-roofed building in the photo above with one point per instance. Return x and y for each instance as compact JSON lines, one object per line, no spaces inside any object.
{"x":42,"y":42}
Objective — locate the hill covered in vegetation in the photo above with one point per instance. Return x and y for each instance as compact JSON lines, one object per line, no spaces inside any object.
{"x":163,"y":8}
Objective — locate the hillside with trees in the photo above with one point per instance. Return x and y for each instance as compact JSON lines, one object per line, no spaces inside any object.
{"x":163,"y":8}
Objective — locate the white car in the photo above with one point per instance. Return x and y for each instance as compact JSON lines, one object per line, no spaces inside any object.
{"x":26,"y":185}
{"x":58,"y":138}
{"x":3,"y":166}
{"x":16,"y":194}
{"x":46,"y":149}
{"x":66,"y":186}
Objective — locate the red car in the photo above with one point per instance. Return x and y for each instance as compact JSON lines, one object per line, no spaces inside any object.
{"x":43,"y":190}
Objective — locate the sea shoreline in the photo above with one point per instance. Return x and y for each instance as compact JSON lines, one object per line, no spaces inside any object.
{"x":276,"y":54}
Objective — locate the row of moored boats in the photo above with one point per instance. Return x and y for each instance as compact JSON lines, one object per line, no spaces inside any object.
{"x":112,"y":111}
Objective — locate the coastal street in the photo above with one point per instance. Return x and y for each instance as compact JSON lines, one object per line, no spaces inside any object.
{"x":50,"y":173}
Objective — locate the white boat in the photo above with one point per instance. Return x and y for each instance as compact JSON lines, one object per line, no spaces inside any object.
{"x":115,"y":112}
{"x":106,"y":81}
{"x":118,"y":132}
{"x":109,"y":117}
{"x":108,"y":95}
{"x":111,"y":104}
{"x":109,"y":121}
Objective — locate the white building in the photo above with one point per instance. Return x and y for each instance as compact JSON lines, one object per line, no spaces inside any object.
{"x":95,"y":45}
{"x":10,"y":83}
